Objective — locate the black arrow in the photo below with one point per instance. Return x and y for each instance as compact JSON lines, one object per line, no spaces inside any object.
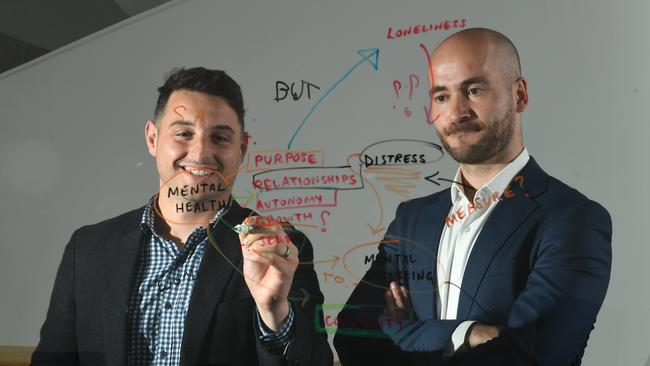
{"x":430,"y":178}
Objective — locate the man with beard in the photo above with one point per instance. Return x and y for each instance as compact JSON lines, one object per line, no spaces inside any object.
{"x":521,"y":260}
{"x":176,"y":282}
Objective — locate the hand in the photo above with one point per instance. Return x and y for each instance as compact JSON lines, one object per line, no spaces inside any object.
{"x":480,"y":333}
{"x":270,"y":260}
{"x":398,"y":304}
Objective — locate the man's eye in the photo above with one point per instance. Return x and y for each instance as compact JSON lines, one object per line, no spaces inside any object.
{"x":440,"y":98}
{"x":474,"y":91}
{"x":220,"y":138}
{"x":183,"y":134}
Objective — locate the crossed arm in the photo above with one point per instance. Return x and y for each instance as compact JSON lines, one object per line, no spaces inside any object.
{"x":398,"y":305}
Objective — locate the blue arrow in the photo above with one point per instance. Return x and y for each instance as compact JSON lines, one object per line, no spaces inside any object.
{"x":370,"y":55}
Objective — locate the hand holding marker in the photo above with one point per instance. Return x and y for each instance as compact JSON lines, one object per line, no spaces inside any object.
{"x":260,"y":228}
{"x":250,"y":229}
{"x":270,"y":260}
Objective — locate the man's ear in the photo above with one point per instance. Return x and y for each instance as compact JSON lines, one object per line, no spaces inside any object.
{"x":243,"y":148}
{"x":521,"y":94}
{"x":151,"y":137}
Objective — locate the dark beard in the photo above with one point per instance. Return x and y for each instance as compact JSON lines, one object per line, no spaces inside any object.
{"x":497,"y":137}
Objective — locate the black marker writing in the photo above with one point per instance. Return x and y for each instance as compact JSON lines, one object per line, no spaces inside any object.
{"x":195,"y":189}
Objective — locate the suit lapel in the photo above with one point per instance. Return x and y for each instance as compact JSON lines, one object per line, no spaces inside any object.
{"x":222,"y":256}
{"x":428,"y":229}
{"x":507,"y":216}
{"x":120,"y":269}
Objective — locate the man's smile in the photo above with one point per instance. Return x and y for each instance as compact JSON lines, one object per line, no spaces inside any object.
{"x":199,"y":171}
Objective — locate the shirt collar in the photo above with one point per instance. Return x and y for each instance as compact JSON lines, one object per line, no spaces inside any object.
{"x":150,"y":213}
{"x":497,"y":184}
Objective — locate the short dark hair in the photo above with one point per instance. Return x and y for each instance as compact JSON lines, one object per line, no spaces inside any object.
{"x":199,"y":79}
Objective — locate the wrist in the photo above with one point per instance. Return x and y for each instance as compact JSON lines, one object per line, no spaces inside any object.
{"x":468,"y":334}
{"x":273,"y":315}
{"x":479,"y":333}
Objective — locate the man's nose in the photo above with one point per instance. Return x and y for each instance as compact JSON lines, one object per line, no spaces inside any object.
{"x":459,"y":110}
{"x":200,"y":149}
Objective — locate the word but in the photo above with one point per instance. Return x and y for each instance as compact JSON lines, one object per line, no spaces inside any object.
{"x":282,"y":87}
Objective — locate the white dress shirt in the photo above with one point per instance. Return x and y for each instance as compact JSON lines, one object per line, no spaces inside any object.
{"x":462,"y":226}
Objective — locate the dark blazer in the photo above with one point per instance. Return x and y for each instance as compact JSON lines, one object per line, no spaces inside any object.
{"x":539,"y":270}
{"x":87,"y":321}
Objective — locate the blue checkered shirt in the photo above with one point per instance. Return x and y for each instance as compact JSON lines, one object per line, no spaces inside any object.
{"x":161,"y":297}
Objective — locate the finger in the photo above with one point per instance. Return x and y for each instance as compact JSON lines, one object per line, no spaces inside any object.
{"x":283,"y":236}
{"x":287,"y":257}
{"x":405,"y":296}
{"x":285,"y":268}
{"x":287,"y":260}
{"x":261,"y":244}
{"x":397,"y":295}
{"x":407,"y":302}
{"x":259,"y":256}
{"x":273,"y":255}
{"x":390,"y":303}
{"x":247,"y":240}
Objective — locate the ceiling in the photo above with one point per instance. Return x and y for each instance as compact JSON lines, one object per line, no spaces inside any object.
{"x":32,"y":28}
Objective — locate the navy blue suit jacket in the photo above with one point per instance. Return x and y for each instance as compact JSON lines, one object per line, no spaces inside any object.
{"x":539,"y":270}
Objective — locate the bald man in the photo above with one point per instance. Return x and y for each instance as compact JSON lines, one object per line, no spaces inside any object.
{"x":519,"y":261}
